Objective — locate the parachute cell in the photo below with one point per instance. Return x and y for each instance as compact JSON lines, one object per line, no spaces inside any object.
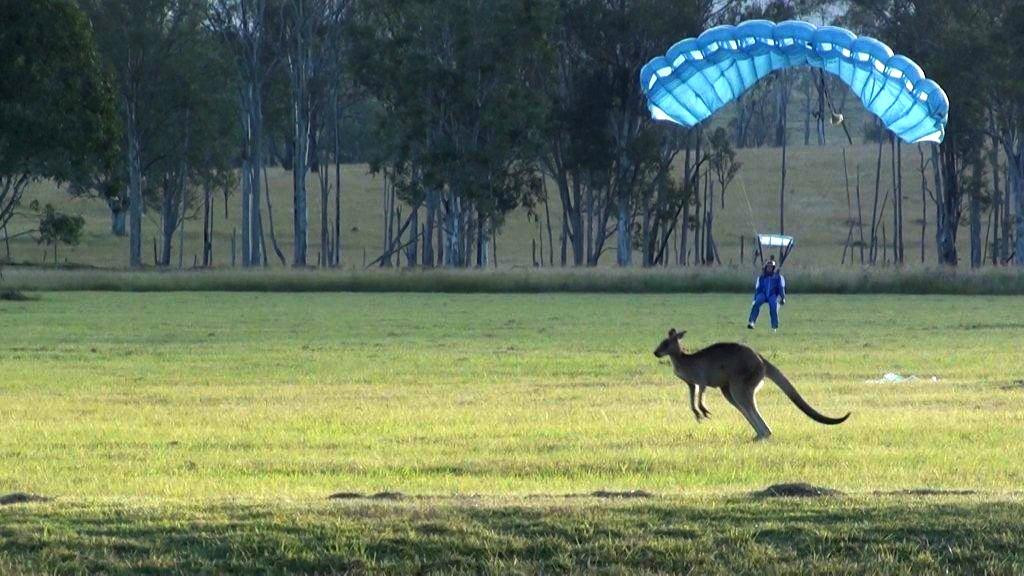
{"x":698,"y":76}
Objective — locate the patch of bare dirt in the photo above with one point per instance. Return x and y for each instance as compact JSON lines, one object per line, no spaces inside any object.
{"x":626,"y":494}
{"x":361,"y":496}
{"x":931,"y":492}
{"x":14,"y":296}
{"x":1016,"y":385}
{"x":796,"y":490}
{"x":21,"y":498}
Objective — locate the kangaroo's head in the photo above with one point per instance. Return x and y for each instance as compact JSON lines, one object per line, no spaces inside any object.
{"x":670,"y":345}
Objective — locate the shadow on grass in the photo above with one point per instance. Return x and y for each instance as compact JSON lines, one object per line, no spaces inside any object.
{"x":904,"y":535}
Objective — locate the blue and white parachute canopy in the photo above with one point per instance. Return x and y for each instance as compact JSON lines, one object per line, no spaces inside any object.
{"x":700,"y":75}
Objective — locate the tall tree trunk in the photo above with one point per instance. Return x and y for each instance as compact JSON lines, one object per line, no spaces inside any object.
{"x":624,"y":248}
{"x":134,"y":185}
{"x":1008,"y":197}
{"x":975,"y":224}
{"x":807,"y":107}
{"x":950,"y":207}
{"x":336,"y":251}
{"x":547,"y":219}
{"x":563,"y":254}
{"x":709,"y":233}
{"x":590,"y":224}
{"x":169,"y":223}
{"x":181,"y":233}
{"x":895,"y":200}
{"x":300,"y":64}
{"x":325,"y":222}
{"x":428,"y":231}
{"x":684,"y":230}
{"x":646,"y":234}
{"x":270,"y":219}
{"x":207,"y":226}
{"x":412,"y":249}
{"x":482,"y":241}
{"x":873,"y":252}
{"x":453,"y":238}
{"x":118,"y":221}
{"x":860,"y":219}
{"x":924,"y":202}
{"x":1015,"y":161}
{"x":698,"y":217}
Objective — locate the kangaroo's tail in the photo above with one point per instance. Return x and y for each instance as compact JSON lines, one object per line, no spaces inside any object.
{"x":780,"y":379}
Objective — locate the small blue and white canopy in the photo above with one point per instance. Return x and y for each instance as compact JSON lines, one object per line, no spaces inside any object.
{"x":698,"y":76}
{"x":784,"y":243}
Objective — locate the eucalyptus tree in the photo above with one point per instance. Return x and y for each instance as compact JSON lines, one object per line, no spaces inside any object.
{"x":1006,"y":74}
{"x":937,"y":34}
{"x":57,"y":116}
{"x":602,"y":146}
{"x":196,"y":149}
{"x":461,"y":85}
{"x":137,"y":39}
{"x":244,"y":28}
{"x":308,"y":29}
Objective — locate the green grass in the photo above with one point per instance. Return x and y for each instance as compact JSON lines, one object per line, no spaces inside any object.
{"x":196,"y":432}
{"x":1006,"y":281}
{"x":816,"y":214}
{"x":879,"y":535}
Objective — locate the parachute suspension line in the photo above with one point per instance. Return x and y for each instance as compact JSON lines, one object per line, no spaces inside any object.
{"x":750,"y":208}
{"x":750,"y":214}
{"x":837,"y":118}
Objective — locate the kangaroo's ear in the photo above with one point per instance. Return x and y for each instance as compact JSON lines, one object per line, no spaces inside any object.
{"x":679,"y":335}
{"x":672,"y":333}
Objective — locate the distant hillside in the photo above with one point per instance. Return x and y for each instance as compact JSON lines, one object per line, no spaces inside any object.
{"x":816,"y":213}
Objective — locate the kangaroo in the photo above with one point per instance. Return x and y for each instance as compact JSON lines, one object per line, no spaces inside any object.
{"x":738,"y":371}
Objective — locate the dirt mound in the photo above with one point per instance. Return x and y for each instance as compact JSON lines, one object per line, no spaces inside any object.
{"x":1016,"y":385}
{"x":361,"y":496}
{"x":932,"y":492}
{"x":627,"y":494}
{"x":21,"y":498}
{"x":346,"y":496}
{"x":796,"y":490}
{"x":14,"y":296}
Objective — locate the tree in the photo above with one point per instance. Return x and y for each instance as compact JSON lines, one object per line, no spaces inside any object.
{"x":243,"y":27}
{"x":197,"y":147}
{"x":936,"y":34}
{"x":58,"y":228}
{"x":57,"y":118}
{"x":463,"y":104}
{"x":106,"y":185}
{"x":136,"y":39}
{"x":603,"y":150}
{"x":306,"y":29}
{"x":1007,"y":97}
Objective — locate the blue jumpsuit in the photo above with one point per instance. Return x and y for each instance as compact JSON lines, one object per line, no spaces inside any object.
{"x":770,"y":289}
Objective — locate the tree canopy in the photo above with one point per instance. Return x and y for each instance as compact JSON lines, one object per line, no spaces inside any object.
{"x":57,"y":116}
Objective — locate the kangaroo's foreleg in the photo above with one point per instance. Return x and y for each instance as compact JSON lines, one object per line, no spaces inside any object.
{"x":700,"y":401}
{"x":744,"y":396}
{"x":693,"y":401}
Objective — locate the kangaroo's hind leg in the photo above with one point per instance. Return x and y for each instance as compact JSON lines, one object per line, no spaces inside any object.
{"x":744,"y":395}
{"x":728,"y":396}
{"x":730,"y":393}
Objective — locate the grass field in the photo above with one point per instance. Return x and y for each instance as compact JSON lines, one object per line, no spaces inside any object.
{"x":817,"y":213}
{"x":191,"y":432}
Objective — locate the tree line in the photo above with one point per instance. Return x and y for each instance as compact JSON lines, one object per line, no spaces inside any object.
{"x":470,"y":109}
